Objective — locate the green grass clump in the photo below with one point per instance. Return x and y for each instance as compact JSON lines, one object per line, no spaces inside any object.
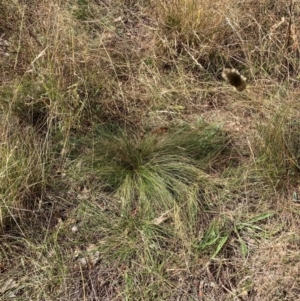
{"x":155,"y":172}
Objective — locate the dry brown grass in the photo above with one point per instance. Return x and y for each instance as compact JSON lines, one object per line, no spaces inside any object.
{"x":148,"y":69}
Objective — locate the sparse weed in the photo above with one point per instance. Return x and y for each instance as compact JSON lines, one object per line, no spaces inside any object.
{"x":221,"y":229}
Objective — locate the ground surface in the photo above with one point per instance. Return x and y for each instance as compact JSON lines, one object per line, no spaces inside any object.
{"x":130,"y":170}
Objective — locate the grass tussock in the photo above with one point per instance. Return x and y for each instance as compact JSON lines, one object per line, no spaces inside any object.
{"x":279,"y":149}
{"x":130,"y":170}
{"x":153,"y":172}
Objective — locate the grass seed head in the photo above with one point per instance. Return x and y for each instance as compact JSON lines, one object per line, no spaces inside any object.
{"x":234,"y":78}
